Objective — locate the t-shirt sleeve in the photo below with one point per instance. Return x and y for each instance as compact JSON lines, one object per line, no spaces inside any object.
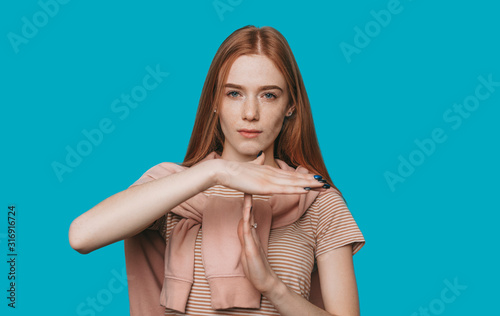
{"x":155,"y":172}
{"x":336,"y":226}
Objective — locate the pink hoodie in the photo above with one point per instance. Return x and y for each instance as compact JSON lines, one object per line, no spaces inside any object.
{"x":156,"y":270}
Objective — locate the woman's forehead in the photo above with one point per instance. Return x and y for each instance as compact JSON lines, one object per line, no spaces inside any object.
{"x":255,"y":71}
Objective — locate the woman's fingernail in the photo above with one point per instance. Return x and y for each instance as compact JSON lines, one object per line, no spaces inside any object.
{"x":322,"y":181}
{"x":260,"y":153}
{"x":307,"y":188}
{"x":326,"y":186}
{"x":318,"y":177}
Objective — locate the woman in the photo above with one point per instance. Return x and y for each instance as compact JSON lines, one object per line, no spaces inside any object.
{"x":250,"y":220}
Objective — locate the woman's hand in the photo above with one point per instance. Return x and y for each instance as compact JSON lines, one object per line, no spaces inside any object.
{"x":256,"y":178}
{"x":253,"y":257}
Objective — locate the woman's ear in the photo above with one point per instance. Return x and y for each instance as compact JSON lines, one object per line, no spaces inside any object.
{"x":290,"y":111}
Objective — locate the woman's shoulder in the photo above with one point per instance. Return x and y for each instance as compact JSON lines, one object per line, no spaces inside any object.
{"x":160,"y":170}
{"x":165,"y":167}
{"x":327,"y":201}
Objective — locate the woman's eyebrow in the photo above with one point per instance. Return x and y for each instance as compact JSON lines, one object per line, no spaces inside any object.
{"x":268,"y":87}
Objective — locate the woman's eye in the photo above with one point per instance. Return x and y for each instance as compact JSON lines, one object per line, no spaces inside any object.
{"x":233,"y":94}
{"x":270,"y":96}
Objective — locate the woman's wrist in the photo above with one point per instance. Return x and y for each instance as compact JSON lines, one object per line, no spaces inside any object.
{"x":213,"y":171}
{"x":219,"y":171}
{"x":277,"y":292}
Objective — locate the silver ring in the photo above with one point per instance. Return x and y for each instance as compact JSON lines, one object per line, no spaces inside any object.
{"x":254,"y":225}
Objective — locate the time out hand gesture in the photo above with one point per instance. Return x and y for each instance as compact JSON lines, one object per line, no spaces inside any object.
{"x":256,"y":178}
{"x":253,"y":257}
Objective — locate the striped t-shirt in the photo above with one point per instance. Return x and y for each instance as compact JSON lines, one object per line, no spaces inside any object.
{"x":292,"y":250}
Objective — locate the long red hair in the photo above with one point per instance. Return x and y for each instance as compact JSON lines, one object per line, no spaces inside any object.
{"x":297,"y":143}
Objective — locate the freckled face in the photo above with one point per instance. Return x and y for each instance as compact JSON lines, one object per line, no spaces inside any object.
{"x":255,"y":98}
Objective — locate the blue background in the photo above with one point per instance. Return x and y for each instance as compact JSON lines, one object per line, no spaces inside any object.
{"x":369,"y":108}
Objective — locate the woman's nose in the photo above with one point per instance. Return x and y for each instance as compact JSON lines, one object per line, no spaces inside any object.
{"x":251,"y":109}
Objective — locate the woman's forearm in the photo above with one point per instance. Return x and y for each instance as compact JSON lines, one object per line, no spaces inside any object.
{"x":289,"y":303}
{"x":129,"y":212}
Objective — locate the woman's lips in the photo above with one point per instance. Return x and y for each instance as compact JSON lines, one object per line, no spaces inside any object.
{"x":249,"y":134}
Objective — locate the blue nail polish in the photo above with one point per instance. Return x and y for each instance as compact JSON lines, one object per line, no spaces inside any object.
{"x":322,"y":181}
{"x":318,"y":177}
{"x":260,"y":153}
{"x":326,"y":186}
{"x":307,"y":188}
